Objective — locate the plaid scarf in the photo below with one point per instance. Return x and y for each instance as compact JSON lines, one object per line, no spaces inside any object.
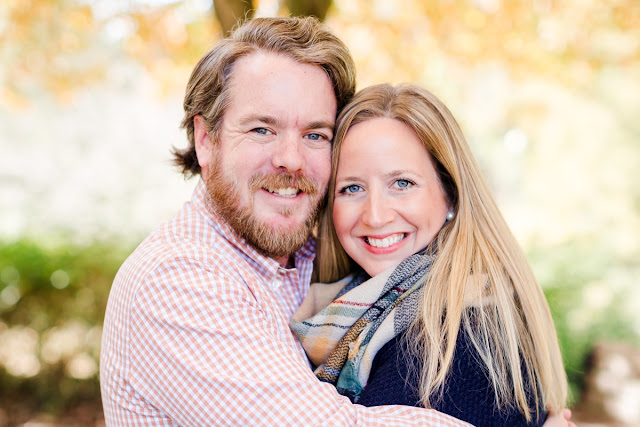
{"x":343,"y":338}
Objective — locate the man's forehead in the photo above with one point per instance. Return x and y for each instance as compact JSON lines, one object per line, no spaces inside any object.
{"x":259,"y":70}
{"x":271,"y":88}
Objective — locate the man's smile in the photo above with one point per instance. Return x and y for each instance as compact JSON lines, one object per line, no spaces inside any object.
{"x":289,"y":192}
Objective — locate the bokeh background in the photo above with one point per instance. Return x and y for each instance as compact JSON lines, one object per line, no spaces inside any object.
{"x":547,"y":92}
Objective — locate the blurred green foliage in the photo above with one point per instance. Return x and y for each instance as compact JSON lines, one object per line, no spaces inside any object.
{"x":585,"y":308}
{"x":62,"y":296}
{"x":90,"y":270}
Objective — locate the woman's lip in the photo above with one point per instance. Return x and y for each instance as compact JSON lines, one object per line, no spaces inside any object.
{"x":386,"y":250}
{"x":382,"y":236}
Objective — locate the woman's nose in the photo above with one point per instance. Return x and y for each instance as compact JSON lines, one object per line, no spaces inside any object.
{"x":378,"y":210}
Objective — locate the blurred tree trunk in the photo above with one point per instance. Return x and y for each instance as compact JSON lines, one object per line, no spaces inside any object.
{"x":230,"y":12}
{"x":317,"y":8}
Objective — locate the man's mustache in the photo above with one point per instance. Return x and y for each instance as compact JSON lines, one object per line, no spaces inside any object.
{"x":276,"y":181}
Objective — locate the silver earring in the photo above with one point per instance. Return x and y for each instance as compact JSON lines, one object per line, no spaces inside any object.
{"x":450,"y":215}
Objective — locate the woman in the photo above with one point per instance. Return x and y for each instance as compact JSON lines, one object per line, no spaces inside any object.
{"x":443,"y":310}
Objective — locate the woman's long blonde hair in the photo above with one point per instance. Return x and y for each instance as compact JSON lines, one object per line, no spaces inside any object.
{"x":479,"y":264}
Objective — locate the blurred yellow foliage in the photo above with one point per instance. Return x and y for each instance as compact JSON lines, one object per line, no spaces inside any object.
{"x":59,"y":45}
{"x":46,"y":45}
{"x":567,"y":41}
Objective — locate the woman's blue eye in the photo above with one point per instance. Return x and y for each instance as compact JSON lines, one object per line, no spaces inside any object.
{"x":403,"y":183}
{"x":351,"y":189}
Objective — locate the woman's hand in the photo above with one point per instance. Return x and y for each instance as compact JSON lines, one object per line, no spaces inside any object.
{"x":561,"y":420}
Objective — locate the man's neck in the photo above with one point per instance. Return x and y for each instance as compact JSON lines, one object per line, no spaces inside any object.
{"x":286,"y":261}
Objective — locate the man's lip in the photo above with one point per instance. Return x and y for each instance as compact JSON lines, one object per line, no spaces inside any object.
{"x":286,"y":196}
{"x":277,"y":196}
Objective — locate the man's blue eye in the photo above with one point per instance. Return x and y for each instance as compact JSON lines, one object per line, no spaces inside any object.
{"x":403,"y":183}
{"x":261,"y":131}
{"x":315,"y":136}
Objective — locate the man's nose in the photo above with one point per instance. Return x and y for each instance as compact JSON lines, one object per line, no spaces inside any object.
{"x":288,"y":153}
{"x":378,"y":210}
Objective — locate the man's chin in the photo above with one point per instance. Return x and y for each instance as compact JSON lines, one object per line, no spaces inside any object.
{"x":273,"y":229}
{"x":280,"y":223}
{"x":270,"y":207}
{"x":275,"y":240}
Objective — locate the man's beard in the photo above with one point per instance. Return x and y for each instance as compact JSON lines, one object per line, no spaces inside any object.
{"x":224,"y":195}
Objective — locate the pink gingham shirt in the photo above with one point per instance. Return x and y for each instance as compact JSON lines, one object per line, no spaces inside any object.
{"x":197,"y":334}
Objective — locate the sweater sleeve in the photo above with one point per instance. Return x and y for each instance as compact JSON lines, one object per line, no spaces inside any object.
{"x":468,"y":393}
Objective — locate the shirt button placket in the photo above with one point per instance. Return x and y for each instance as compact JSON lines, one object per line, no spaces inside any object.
{"x":277,"y":282}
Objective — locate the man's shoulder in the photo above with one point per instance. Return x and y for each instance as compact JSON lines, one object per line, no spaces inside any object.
{"x":174,"y":243}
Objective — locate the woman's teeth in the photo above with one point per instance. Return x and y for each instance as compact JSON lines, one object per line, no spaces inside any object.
{"x":386,"y":242}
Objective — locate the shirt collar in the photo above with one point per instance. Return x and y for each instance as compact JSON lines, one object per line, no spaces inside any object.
{"x":199,"y":200}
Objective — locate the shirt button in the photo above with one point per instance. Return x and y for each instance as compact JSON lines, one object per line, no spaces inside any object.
{"x":276,"y":284}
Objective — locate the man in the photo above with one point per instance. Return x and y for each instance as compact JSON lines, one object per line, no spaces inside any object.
{"x":196,"y":331}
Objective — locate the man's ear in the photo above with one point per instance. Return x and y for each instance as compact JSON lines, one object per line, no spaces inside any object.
{"x":204,"y":145}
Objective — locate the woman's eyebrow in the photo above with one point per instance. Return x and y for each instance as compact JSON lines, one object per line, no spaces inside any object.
{"x":400,"y":172}
{"x":348,"y":178}
{"x":392,"y":174}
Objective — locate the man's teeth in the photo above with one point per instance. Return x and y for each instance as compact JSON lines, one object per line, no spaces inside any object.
{"x":386,"y":242}
{"x":285,"y":192}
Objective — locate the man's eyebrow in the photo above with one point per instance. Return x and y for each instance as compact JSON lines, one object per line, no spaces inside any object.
{"x":321,"y":125}
{"x":269,"y":120}
{"x":274,"y":121}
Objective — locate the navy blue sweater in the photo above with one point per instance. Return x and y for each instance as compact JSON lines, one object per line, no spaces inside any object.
{"x":468,"y":393}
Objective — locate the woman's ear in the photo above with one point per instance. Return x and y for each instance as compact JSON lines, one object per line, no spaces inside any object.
{"x":203,"y":143}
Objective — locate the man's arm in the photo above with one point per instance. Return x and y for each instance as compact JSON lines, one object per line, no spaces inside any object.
{"x":204,"y":352}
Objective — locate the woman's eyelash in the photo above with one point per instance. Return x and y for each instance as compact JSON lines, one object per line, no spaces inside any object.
{"x":406,"y":183}
{"x":345,"y":189}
